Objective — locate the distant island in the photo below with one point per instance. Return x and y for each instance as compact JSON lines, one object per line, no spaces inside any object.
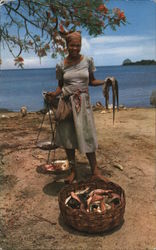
{"x":142,"y":62}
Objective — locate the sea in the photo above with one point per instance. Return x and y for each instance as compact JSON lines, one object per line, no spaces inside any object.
{"x":24,"y":87}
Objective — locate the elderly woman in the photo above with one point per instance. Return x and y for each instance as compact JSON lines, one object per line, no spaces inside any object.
{"x":75,"y":73}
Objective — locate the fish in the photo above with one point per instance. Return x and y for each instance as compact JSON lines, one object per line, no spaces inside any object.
{"x":74,"y":196}
{"x":100,"y":191}
{"x":50,"y":167}
{"x":96,"y":197}
{"x":67,"y":199}
{"x":98,"y":200}
{"x":108,"y":207}
{"x":82,"y":191}
{"x":93,"y":201}
{"x":102,"y":206}
{"x":89,"y":201}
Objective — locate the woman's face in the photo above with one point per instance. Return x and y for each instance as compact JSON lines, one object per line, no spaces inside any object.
{"x":74,"y":48}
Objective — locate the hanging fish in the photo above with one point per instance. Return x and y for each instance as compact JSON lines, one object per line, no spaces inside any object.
{"x":111,"y":82}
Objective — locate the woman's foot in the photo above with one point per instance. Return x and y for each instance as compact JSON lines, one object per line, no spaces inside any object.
{"x":71,"y":158}
{"x":70,"y":178}
{"x":97,"y":175}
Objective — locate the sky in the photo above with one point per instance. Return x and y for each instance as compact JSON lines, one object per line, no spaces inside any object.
{"x":135,"y":41}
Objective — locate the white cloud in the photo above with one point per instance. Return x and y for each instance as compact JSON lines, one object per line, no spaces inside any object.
{"x":117,"y":39}
{"x":31,"y":61}
{"x":120,"y":51}
{"x":35,"y":62}
{"x":112,"y":50}
{"x":106,"y":50}
{"x":85,"y":45}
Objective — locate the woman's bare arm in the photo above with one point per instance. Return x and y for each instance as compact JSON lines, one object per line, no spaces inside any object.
{"x":57,"y":91}
{"x":93,"y":82}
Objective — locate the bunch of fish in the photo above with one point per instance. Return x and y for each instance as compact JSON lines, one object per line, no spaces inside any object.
{"x":97,"y":200}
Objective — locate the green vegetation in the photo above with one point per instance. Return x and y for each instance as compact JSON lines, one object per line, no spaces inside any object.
{"x":142,"y":62}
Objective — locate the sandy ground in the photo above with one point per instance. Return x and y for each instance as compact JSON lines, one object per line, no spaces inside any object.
{"x":30,"y":215}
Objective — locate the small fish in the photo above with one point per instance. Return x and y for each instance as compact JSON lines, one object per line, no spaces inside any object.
{"x":98,"y":210}
{"x":50,"y":167}
{"x":96,"y":197}
{"x":82,"y":191}
{"x":119,"y":166}
{"x":67,"y":199}
{"x":100,"y":191}
{"x":102,"y":206}
{"x":74,"y":196}
{"x":108,"y":207}
{"x":89,"y":201}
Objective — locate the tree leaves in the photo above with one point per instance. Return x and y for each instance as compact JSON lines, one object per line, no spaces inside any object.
{"x":19,"y":61}
{"x":39,"y":25}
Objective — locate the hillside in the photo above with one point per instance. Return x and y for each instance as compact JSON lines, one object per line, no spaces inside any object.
{"x":142,"y":62}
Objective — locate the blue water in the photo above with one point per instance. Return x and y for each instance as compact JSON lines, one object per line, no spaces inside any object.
{"x":25,"y":87}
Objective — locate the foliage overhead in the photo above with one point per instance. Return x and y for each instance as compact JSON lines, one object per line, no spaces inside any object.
{"x":40,"y":25}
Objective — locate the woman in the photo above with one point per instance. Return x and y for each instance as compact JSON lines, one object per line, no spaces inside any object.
{"x":74,"y":74}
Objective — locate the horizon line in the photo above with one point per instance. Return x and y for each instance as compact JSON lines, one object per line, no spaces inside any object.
{"x":55,"y":67}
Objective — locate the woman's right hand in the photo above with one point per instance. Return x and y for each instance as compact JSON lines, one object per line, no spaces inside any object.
{"x":49,"y":96}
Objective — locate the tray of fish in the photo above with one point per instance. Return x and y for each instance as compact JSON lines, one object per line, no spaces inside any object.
{"x":93,"y":206}
{"x":57,"y":166}
{"x":46,"y":145}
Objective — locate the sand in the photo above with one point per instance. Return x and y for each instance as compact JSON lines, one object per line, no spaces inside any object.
{"x":29,"y":207}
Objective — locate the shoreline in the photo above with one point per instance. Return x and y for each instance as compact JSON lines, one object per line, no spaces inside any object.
{"x":94,"y":108}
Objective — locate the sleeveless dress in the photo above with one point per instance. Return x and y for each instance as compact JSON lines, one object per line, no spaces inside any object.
{"x":79,"y":131}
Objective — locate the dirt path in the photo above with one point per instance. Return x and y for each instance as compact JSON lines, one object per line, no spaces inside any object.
{"x":29,"y":199}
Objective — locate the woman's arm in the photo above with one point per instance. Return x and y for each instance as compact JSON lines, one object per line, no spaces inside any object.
{"x":51,"y":95}
{"x":57,"y":91}
{"x":93,"y":82}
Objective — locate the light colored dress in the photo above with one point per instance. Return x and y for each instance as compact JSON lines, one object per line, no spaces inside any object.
{"x":77,"y":132}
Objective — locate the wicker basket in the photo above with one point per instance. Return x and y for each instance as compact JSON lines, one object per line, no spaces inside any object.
{"x":92,"y":222}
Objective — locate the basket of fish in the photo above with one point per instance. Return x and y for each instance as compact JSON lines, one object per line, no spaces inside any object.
{"x":92,"y":206}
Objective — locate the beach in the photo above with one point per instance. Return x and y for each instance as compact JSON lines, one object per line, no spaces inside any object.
{"x":29,"y":199}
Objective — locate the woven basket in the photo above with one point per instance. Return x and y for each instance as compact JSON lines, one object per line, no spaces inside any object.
{"x":92,"y":222}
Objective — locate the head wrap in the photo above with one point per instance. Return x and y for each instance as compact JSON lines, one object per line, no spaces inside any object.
{"x":73,"y":36}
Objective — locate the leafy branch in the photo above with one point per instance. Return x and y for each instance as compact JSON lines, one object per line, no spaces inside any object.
{"x":39,"y":25}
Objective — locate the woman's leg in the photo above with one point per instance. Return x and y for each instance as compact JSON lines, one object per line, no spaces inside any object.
{"x":71,"y":158}
{"x":93,"y":163}
{"x":94,"y":168}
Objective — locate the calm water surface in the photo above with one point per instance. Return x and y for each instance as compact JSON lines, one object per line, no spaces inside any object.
{"x":25,"y":87}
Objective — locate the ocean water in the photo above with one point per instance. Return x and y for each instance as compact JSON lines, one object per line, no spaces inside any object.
{"x":24,"y":87}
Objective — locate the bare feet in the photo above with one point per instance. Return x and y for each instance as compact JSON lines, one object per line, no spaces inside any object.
{"x":70,"y":178}
{"x":97,"y":175}
{"x":100,"y":177}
